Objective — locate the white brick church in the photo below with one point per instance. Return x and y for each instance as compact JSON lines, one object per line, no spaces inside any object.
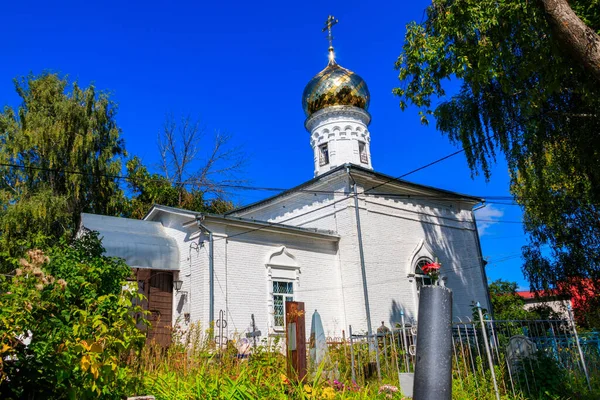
{"x":349,"y":242}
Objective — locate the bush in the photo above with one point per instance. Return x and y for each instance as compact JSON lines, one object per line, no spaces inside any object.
{"x":543,"y":376}
{"x":70,"y":301}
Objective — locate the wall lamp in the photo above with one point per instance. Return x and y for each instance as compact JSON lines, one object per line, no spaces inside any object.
{"x":177,"y":285}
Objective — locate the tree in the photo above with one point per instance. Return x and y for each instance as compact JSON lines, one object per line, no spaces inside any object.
{"x":523,"y":94}
{"x":573,"y":34}
{"x":508,"y":305}
{"x":186,"y":180}
{"x":59,"y":151}
{"x":179,"y":145}
{"x":67,"y":327}
{"x":148,"y":189}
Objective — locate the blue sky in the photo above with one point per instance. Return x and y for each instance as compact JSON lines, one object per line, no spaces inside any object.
{"x":241,"y":68}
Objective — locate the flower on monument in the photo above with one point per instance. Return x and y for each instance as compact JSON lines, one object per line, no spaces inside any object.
{"x":433,"y":268}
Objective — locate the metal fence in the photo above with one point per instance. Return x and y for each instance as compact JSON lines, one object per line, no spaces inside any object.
{"x":490,"y":357}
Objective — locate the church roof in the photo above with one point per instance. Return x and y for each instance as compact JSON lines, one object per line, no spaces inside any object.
{"x":376,"y":177}
{"x":240,"y":221}
{"x":333,"y":86}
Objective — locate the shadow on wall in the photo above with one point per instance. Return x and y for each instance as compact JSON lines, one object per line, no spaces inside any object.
{"x":457,"y":250}
{"x":455,"y":245}
{"x":395,"y":314}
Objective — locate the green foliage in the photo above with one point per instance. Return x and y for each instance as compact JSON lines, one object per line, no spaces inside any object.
{"x":522,"y":96}
{"x":57,"y":128}
{"x":68,"y":139}
{"x":192,"y":369}
{"x":82,"y":322}
{"x":148,"y":189}
{"x":508,"y":305}
{"x":544,"y":375}
{"x":35,"y":221}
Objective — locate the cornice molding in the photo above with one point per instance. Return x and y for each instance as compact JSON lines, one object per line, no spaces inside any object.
{"x":333,"y":113}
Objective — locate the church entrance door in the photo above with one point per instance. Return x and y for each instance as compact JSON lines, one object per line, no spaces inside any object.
{"x":157,"y":286}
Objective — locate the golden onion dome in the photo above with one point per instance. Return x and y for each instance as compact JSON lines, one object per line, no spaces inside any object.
{"x":335,"y":86}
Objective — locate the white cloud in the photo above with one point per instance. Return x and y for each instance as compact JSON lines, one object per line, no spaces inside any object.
{"x":486,"y":217}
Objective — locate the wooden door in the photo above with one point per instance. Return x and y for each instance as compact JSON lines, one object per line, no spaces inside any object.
{"x":158,"y":289}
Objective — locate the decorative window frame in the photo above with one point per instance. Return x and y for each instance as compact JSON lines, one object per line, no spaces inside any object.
{"x":323,"y":154}
{"x":421,"y":277}
{"x":281,"y":266}
{"x":421,"y":251}
{"x":362,"y":152}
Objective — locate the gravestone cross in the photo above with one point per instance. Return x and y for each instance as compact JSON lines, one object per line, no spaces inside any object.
{"x":255,"y":333}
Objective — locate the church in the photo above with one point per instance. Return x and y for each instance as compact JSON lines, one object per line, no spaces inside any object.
{"x":349,"y":243}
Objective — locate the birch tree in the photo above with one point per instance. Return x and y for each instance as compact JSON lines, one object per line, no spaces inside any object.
{"x":527,"y":87}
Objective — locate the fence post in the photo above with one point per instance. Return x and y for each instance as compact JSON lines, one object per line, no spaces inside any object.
{"x":404,"y":341}
{"x":352,"y":354}
{"x":385,"y":354}
{"x":395,"y":352}
{"x":376,"y":337}
{"x":585,"y":371}
{"x":433,"y":367}
{"x":487,"y":350}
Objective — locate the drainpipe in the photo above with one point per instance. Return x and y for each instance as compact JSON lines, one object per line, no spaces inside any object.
{"x":211,"y":272}
{"x":361,"y":253}
{"x":482,"y":262}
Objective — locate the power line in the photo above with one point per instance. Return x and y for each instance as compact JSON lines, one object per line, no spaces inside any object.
{"x":346,"y":196}
{"x":199,"y":183}
{"x":499,"y":220}
{"x":503,"y":237}
{"x":432,"y":163}
{"x":242,"y":187}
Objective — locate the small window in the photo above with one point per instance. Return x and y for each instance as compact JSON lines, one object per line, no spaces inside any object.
{"x":362,"y":150}
{"x":422,"y":278}
{"x":282,"y":293}
{"x":323,"y":154}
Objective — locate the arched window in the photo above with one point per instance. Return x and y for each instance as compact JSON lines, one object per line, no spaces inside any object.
{"x":422,"y":278}
{"x":283,"y":272}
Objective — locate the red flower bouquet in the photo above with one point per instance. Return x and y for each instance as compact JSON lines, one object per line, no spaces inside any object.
{"x":433,"y":270}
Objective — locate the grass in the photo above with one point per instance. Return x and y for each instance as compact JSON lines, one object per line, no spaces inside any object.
{"x":192,"y":368}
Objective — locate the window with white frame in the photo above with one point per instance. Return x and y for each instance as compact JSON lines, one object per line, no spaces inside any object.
{"x":323,"y":154}
{"x":283,"y":291}
{"x":362,"y":151}
{"x":421,"y":278}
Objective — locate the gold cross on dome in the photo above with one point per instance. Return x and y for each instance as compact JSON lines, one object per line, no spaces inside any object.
{"x":331,"y":21}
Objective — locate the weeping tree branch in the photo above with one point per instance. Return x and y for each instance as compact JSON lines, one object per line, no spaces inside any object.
{"x":575,"y":36}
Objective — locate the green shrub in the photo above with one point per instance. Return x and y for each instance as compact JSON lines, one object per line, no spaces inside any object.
{"x":542,"y":375}
{"x":82,"y":322}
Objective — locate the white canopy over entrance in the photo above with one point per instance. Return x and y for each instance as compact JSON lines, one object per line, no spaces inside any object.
{"x":143,"y":244}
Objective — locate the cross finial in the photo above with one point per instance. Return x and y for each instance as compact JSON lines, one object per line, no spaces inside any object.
{"x":331,"y":21}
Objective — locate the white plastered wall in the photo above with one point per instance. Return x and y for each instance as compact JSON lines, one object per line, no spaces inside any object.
{"x":242,"y":269}
{"x":396,"y":232}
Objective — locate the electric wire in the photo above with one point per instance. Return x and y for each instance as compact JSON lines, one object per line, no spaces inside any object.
{"x":346,"y":195}
{"x":488,"y":137}
{"x":200,"y":184}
